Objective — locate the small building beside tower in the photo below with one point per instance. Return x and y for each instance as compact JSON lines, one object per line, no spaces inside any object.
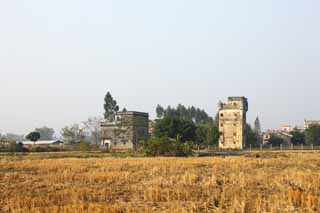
{"x":126,"y":131}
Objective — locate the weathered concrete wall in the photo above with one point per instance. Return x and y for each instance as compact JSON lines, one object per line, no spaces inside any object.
{"x":232,"y":123}
{"x":127,"y":131}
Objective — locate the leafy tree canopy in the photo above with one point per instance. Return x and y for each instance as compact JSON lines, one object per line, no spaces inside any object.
{"x":173,"y":127}
{"x":251,"y":137}
{"x":312,"y":135}
{"x":298,"y":137}
{"x":276,"y":140}
{"x":33,"y":136}
{"x":207,"y":134}
{"x":110,"y":107}
{"x":46,"y":133}
{"x":73,"y":133}
{"x":198,"y":116}
{"x":165,"y":146}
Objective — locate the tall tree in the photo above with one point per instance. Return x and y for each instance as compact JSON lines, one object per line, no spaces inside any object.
{"x":73,"y":133}
{"x":93,"y":127}
{"x":257,"y":127}
{"x":33,"y":136}
{"x":110,"y":107}
{"x":159,"y":111}
{"x":213,"y":135}
{"x":174,"y":127}
{"x":251,"y":137}
{"x":46,"y":133}
{"x":313,"y":135}
{"x":276,"y":140}
{"x":298,"y":137}
{"x":196,"y":115}
{"x":201,"y":135}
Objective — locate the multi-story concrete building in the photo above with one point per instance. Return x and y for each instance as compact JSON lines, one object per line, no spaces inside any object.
{"x":308,"y":123}
{"x":232,"y":123}
{"x":128,"y":129}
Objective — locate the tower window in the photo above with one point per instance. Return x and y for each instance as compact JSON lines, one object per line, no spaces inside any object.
{"x":221,"y":114}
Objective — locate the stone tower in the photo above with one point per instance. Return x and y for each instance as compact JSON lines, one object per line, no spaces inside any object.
{"x":126,"y":131}
{"x":232,"y":123}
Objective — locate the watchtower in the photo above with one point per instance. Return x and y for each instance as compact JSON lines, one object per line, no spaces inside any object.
{"x":232,"y":123}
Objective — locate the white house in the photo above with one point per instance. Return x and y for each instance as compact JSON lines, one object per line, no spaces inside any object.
{"x":42,"y":143}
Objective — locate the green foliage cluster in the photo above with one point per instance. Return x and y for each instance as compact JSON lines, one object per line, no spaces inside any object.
{"x":33,"y":136}
{"x":45,"y":149}
{"x":207,"y":134}
{"x":312,"y":135}
{"x":84,"y":146}
{"x":173,"y":127}
{"x":46,"y":133}
{"x":298,"y":137}
{"x":276,"y":141}
{"x":110,"y":107}
{"x":179,"y":130}
{"x":252,"y":137}
{"x":192,"y":113}
{"x":165,"y":146}
{"x":73,"y":133}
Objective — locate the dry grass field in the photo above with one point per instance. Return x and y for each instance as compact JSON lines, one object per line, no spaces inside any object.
{"x":270,"y":182}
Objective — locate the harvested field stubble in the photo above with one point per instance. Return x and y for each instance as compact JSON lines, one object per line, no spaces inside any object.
{"x":287,"y":183}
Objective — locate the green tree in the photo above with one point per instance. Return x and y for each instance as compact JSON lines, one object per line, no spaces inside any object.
{"x":84,"y":146}
{"x":213,"y":135}
{"x":173,"y":127}
{"x":110,"y":107}
{"x":73,"y":133}
{"x":46,"y":133}
{"x":33,"y":136}
{"x":251,"y":137}
{"x":159,"y":111}
{"x":165,"y":146}
{"x":201,"y":135}
{"x":276,"y":141}
{"x":196,"y":115}
{"x":298,"y":137}
{"x":312,"y":135}
{"x":257,"y":128}
{"x":93,"y":128}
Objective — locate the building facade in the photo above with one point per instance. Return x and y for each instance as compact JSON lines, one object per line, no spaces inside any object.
{"x":128,"y":129}
{"x":232,"y":123}
{"x":286,"y":128}
{"x":308,"y":123}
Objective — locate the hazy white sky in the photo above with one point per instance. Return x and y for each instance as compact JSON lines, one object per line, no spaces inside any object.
{"x":59,"y":58}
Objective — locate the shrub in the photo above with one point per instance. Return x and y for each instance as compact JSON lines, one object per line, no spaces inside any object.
{"x":84,"y":146}
{"x":165,"y":146}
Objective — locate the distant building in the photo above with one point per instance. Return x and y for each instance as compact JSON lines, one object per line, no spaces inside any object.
{"x":286,"y":128}
{"x":232,"y":123}
{"x":128,"y":129}
{"x":42,"y":143}
{"x":308,"y":123}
